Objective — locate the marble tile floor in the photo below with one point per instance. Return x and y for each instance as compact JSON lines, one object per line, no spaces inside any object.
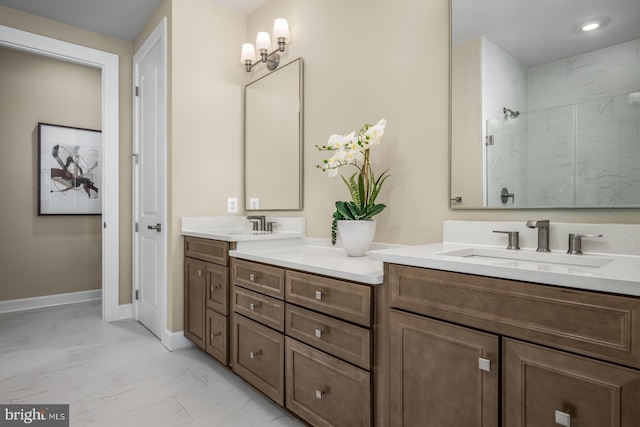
{"x":119,"y":374}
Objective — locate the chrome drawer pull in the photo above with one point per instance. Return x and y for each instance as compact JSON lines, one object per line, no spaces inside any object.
{"x":319,"y":333}
{"x":319,"y":394}
{"x":563,"y":419}
{"x":253,"y":354}
{"x":319,"y":295}
{"x":252,"y":277}
{"x":253,"y":306}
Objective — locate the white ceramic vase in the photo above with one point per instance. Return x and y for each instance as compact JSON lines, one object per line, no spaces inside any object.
{"x":356,"y":236}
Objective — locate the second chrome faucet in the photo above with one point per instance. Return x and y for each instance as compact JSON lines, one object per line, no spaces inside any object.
{"x":543,"y":234}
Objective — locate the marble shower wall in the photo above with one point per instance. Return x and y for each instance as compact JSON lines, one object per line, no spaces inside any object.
{"x":504,"y":84}
{"x":582,"y":134}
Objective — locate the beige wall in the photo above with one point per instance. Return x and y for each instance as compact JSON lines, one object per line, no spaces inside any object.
{"x":370,"y":59}
{"x":43,"y":255}
{"x":34,"y":24}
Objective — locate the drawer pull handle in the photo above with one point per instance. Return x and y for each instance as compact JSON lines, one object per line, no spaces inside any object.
{"x":253,"y":277}
{"x":319,"y":394}
{"x":563,"y":419}
{"x":253,"y":306}
{"x":215,"y":334}
{"x":319,"y":333}
{"x":319,"y":295}
{"x":254,"y":354}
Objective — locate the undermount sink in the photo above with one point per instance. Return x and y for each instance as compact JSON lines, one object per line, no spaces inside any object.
{"x":489,"y":254}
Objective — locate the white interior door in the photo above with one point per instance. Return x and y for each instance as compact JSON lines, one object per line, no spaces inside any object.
{"x":150,"y":183}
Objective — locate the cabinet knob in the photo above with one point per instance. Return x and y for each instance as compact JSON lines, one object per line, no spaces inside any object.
{"x":485,"y":364}
{"x":214,"y":287}
{"x":252,"y":277}
{"x":319,"y":394}
{"x":319,"y":333}
{"x":254,"y":354}
{"x":319,"y":295}
{"x":215,"y":334}
{"x":563,"y":419}
{"x":253,"y":306}
{"x":199,"y":273}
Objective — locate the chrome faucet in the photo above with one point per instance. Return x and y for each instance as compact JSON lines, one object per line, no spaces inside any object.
{"x":259,"y":222}
{"x":543,"y":234}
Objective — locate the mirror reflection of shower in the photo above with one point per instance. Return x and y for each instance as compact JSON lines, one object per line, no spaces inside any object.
{"x":510,"y":113}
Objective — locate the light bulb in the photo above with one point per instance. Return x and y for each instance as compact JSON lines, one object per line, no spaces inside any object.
{"x":248,"y":53}
{"x":263,"y":41}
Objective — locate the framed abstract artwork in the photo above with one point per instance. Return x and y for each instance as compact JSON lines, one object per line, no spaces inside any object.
{"x":70,"y":170}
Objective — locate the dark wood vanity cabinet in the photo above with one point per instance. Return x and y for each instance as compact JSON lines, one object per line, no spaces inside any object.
{"x":305,"y":341}
{"x":561,"y":356}
{"x":206,"y":295}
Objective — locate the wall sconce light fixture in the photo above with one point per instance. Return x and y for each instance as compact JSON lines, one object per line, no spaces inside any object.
{"x":263,"y":44}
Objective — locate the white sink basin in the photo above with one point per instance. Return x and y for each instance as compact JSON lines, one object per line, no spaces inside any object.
{"x":488,"y":254}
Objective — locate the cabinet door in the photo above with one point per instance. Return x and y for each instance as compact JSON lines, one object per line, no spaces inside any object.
{"x":217,"y":288}
{"x":545,"y":387}
{"x":216,"y":336}
{"x":194,"y":294}
{"x":258,"y":356}
{"x":325,"y":391}
{"x":438,"y":375}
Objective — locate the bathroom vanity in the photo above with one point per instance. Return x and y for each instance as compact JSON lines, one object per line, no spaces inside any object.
{"x":301,"y":319}
{"x":469,"y":345}
{"x":462,"y":333}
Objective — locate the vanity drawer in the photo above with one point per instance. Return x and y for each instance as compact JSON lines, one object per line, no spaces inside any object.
{"x":217,"y":288}
{"x":587,"y":322}
{"x":348,"y":301}
{"x":259,"y":307}
{"x":258,"y":357}
{"x":216,"y":339}
{"x":344,"y":340}
{"x":213,"y":251}
{"x":258,"y":277}
{"x":325,"y":391}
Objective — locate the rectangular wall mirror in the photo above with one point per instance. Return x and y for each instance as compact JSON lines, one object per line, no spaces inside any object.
{"x":544,"y":114}
{"x":273,"y":140}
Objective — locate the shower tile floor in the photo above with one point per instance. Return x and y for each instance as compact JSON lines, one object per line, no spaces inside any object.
{"x":119,"y":374}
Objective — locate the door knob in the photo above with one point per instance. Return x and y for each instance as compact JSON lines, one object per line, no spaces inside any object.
{"x":157,"y":227}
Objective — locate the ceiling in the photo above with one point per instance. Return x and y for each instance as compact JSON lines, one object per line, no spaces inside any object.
{"x":123,"y":19}
{"x":542,"y":31}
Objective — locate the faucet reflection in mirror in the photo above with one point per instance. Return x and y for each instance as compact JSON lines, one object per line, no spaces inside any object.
{"x":263,"y":44}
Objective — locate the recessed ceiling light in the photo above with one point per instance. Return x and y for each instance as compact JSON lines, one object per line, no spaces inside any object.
{"x":590,"y":26}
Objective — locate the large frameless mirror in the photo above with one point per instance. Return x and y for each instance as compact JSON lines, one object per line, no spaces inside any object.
{"x":543,"y":113}
{"x":273,"y":140}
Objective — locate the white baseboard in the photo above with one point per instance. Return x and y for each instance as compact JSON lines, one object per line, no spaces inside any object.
{"x":175,"y":340}
{"x":125,"y":311}
{"x":49,"y":301}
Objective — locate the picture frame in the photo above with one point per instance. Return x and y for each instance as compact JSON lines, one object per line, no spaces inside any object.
{"x":69,"y":170}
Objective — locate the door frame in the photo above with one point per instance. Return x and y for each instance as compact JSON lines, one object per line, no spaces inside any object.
{"x":157,"y":37}
{"x":109,"y":64}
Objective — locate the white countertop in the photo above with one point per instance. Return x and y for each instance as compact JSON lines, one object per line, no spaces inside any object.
{"x":620,"y":274}
{"x":237,"y":228}
{"x":241,"y":235}
{"x":314,"y":256}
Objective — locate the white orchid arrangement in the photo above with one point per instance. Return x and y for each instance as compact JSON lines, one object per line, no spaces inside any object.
{"x":353,"y":149}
